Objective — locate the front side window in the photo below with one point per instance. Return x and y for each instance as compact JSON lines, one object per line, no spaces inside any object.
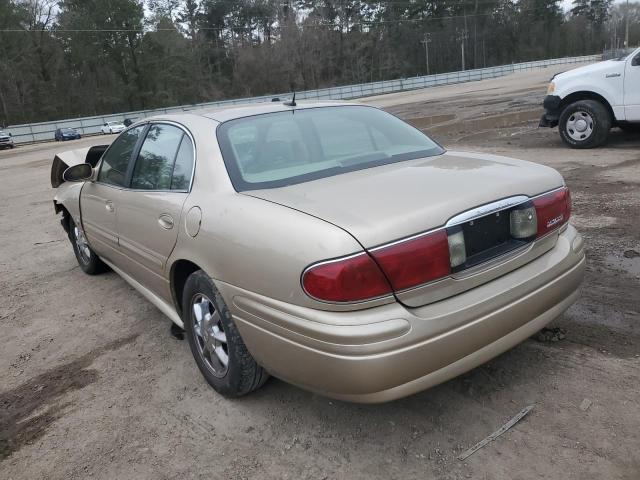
{"x":116,"y":159}
{"x":285,"y":148}
{"x":163,"y":161}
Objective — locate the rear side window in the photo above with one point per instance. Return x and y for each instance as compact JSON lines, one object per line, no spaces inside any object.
{"x":154,"y":168}
{"x":184,"y":165}
{"x":116,"y":159}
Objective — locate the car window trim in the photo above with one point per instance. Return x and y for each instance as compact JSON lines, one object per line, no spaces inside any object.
{"x":186,"y":133}
{"x":130,"y":158}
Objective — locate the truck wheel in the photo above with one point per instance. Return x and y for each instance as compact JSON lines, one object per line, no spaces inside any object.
{"x":215,"y":341}
{"x":585,"y":124}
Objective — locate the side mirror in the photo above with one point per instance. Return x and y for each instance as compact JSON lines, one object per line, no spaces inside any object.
{"x":78,"y":173}
{"x":11,"y":135}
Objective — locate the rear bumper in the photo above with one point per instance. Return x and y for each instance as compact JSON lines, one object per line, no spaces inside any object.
{"x":390,"y":351}
{"x":552,"y":112}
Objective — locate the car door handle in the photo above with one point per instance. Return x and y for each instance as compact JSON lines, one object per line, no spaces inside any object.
{"x":165,"y":221}
{"x":109,"y":206}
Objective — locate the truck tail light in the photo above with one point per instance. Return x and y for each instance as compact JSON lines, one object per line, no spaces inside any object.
{"x":351,"y":279}
{"x":412,"y":262}
{"x":552,"y":210}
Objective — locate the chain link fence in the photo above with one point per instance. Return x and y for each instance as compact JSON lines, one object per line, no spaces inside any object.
{"x":44,"y":131}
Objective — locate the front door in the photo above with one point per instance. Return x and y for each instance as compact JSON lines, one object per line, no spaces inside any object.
{"x":632,"y":88}
{"x":97,"y":203}
{"x":150,"y":208}
{"x":99,"y":200}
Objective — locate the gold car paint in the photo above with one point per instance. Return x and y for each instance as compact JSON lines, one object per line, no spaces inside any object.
{"x":438,"y":337}
{"x":255,"y":250}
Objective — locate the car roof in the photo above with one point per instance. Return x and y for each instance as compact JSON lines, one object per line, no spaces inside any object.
{"x":223,"y":114}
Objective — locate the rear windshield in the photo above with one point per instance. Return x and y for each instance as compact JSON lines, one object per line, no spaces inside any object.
{"x":284,"y":148}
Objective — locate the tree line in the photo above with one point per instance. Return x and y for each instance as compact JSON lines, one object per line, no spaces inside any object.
{"x":71,"y":58}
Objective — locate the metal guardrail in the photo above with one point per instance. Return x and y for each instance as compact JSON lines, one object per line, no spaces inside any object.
{"x":37,"y":132}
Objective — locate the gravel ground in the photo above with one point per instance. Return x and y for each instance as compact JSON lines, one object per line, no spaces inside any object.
{"x":94,"y":386}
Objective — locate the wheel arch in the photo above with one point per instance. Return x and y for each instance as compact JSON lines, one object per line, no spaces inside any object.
{"x":66,"y":216}
{"x":180,"y":271}
{"x":587,"y":95}
{"x":67,"y":201}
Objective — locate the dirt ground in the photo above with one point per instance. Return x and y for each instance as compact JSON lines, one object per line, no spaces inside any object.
{"x":94,"y":386}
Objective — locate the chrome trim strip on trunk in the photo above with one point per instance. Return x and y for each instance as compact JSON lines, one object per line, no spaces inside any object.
{"x":487,"y":209}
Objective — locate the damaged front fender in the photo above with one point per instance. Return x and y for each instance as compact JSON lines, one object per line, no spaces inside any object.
{"x":67,"y":196}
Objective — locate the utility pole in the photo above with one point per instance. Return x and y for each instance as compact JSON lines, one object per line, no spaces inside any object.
{"x":626,"y":35}
{"x":462,"y":38}
{"x":427,"y":41}
{"x":475,"y":36}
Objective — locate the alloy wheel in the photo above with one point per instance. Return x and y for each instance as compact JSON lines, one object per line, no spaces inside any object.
{"x":211,"y":339}
{"x":81,"y":243}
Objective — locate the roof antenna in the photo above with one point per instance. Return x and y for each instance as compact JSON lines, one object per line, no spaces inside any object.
{"x":292,"y":103}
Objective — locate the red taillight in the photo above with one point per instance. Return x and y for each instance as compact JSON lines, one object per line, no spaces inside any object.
{"x":413,"y":262}
{"x":552,"y":210}
{"x":425,"y":258}
{"x":350,"y":279}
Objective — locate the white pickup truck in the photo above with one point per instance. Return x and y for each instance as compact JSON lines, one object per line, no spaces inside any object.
{"x":586,"y":102}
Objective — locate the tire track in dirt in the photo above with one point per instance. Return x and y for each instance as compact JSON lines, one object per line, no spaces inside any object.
{"x":27,"y":410}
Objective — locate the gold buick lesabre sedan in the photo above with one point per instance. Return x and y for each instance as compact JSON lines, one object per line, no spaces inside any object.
{"x":331,"y":245}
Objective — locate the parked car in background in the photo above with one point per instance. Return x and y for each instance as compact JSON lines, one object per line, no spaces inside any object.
{"x":329,"y":244}
{"x":6,"y":139}
{"x":586,"y":102}
{"x":112,"y":127}
{"x":63,"y":134}
{"x":129,"y":121}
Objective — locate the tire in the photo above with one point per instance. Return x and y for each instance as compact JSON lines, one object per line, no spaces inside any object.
{"x":591,"y":115}
{"x":89,"y":262}
{"x":242,"y":374}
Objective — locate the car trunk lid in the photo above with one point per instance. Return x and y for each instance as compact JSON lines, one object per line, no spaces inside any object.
{"x":384,"y":204}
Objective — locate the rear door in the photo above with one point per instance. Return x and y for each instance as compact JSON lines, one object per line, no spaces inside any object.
{"x":150,"y":209}
{"x":99,"y":200}
{"x":632,"y":88}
